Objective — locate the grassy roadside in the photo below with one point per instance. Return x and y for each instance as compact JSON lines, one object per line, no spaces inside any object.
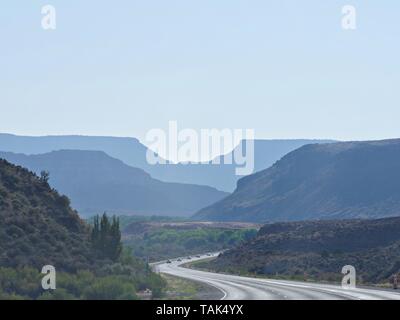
{"x":200,"y":264}
{"x":204,"y":265}
{"x":182,"y":289}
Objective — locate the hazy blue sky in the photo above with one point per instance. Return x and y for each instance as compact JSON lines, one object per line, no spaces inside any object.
{"x":284,"y":68}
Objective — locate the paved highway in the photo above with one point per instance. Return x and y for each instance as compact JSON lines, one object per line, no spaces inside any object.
{"x":246,"y":288}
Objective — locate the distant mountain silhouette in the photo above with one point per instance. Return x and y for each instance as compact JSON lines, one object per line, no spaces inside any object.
{"x":96,"y":182}
{"x":133,"y":153}
{"x":320,"y":181}
{"x":223,"y":176}
{"x":129,"y":150}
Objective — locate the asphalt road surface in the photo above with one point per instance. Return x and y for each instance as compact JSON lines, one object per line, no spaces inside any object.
{"x":246,"y":288}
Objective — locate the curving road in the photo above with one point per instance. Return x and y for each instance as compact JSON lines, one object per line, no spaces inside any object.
{"x":246,"y":288}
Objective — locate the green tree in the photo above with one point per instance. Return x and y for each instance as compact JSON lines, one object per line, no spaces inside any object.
{"x":106,"y":237}
{"x":44,"y":176}
{"x":115,"y":244}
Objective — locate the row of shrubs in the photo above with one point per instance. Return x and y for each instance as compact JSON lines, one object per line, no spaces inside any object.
{"x":119,"y":281}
